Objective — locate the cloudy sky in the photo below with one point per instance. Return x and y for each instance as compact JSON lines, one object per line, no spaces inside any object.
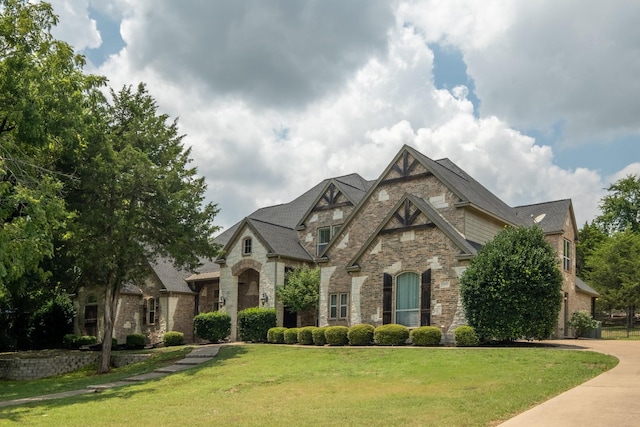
{"x":537,"y":100}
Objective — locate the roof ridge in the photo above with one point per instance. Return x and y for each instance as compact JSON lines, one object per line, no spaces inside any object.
{"x":543,"y":203}
{"x":269,"y":223}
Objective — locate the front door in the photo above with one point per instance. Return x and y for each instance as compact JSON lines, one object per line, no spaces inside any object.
{"x":290,"y":319}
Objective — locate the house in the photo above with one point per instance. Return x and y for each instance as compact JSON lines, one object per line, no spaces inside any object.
{"x":389,"y":251}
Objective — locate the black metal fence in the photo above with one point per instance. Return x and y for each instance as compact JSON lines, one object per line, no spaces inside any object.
{"x":619,"y":327}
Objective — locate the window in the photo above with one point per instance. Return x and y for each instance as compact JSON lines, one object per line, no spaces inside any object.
{"x":246,"y":246}
{"x":216,"y":299}
{"x":151,"y":309}
{"x":324,"y":235}
{"x":336,"y":229}
{"x":338,"y":306}
{"x":408,"y":299}
{"x":566,"y":255}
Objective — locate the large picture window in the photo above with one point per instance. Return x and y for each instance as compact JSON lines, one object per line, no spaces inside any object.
{"x":408,"y":299}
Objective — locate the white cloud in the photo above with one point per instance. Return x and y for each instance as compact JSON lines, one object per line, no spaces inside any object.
{"x":76,"y":28}
{"x":237,"y":105}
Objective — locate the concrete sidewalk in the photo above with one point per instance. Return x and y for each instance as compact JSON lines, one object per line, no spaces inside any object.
{"x":198,"y":356}
{"x":610,"y":399}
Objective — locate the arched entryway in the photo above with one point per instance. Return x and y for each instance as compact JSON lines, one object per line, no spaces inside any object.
{"x":248,"y":289}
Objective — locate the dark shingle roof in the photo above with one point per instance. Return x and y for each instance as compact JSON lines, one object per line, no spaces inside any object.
{"x":554,"y":214}
{"x":586,"y":289}
{"x":171,"y":278}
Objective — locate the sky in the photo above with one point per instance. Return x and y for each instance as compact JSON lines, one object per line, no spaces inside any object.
{"x":538,"y":101}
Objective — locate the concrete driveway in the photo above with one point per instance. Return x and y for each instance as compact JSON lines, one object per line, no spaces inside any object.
{"x":610,"y":399}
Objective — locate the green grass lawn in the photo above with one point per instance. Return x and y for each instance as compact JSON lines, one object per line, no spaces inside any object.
{"x":297,"y":386}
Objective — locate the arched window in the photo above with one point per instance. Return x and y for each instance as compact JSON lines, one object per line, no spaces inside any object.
{"x":408,"y":299}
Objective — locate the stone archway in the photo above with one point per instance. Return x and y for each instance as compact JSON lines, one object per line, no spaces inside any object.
{"x":248,"y":289}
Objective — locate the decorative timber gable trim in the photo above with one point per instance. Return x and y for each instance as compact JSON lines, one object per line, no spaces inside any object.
{"x":405,"y":170}
{"x":404,"y":212}
{"x":332,"y":196}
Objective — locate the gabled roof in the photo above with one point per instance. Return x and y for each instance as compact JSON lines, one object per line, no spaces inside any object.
{"x":353,"y":186}
{"x":550,"y":216}
{"x":581,"y":286}
{"x":275,"y":226}
{"x":466,"y":247}
{"x":172,"y":279}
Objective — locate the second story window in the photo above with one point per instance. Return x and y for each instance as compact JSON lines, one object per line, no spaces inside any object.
{"x":566,"y":255}
{"x":324,"y":235}
{"x":246,"y":246}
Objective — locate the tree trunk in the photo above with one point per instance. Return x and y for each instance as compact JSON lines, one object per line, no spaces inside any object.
{"x":110,"y":302}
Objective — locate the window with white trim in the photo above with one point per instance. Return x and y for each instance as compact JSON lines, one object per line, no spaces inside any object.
{"x":151,"y":310}
{"x":408,"y":299}
{"x":324,"y":235}
{"x":338,"y":306}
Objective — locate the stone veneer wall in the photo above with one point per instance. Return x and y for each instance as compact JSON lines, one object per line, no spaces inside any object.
{"x":34,"y":368}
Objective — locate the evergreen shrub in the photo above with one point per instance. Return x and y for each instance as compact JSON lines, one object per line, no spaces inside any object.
{"x":173,"y":338}
{"x":305,"y":335}
{"x":276,"y":335}
{"x":391,"y":334}
{"x":426,"y":336}
{"x":360,"y":334}
{"x":255,"y":322}
{"x":337,"y":335}
{"x":318,"y":336}
{"x":465,"y":336}
{"x":291,"y":336}
{"x":213,"y":326}
{"x":136,"y":341}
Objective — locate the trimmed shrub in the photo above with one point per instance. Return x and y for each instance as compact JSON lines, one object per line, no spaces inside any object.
{"x":255,"y":322}
{"x":172,"y":338}
{"x":391,"y":334}
{"x":318,"y":336}
{"x":291,"y":336}
{"x":74,"y":342}
{"x":276,"y":335}
{"x":426,"y":336}
{"x":305,"y":335}
{"x":135,"y":341}
{"x":336,"y":335}
{"x":212,"y":326}
{"x":360,"y":334}
{"x":465,"y":336}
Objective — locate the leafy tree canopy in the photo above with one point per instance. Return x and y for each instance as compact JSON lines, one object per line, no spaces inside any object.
{"x":512,"y":288}
{"x":301,"y":290}
{"x":621,"y":207}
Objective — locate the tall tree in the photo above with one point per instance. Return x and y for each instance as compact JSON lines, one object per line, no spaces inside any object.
{"x":512,"y":288}
{"x":42,"y":89}
{"x":301,"y":290}
{"x":615,"y":271}
{"x":621,"y":207}
{"x":136,"y":197}
{"x":590,"y":236}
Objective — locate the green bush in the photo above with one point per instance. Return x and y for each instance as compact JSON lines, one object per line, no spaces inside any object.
{"x":255,"y":322}
{"x":51,"y":322}
{"x":74,"y":342}
{"x":212,"y":326}
{"x":582,"y":322}
{"x":336,"y":335}
{"x":135,"y":341}
{"x":305,"y":335}
{"x":291,"y":336}
{"x":360,"y":334}
{"x":172,"y":338}
{"x":318,"y":336}
{"x":276,"y":335}
{"x":465,"y":336}
{"x":426,"y":336}
{"x":391,"y":334}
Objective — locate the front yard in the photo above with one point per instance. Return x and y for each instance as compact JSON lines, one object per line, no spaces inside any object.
{"x":282,"y":385}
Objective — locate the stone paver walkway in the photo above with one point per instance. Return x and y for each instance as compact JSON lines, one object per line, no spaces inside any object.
{"x":198,"y":355}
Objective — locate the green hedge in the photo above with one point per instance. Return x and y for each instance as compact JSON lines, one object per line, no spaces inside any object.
{"x":255,"y":322}
{"x":465,"y":336}
{"x":318,"y":336}
{"x":291,"y":336}
{"x":136,"y":341}
{"x":305,"y":335}
{"x":276,"y":335}
{"x":360,"y":334}
{"x":173,"y":338}
{"x":74,"y":342}
{"x":212,"y":326}
{"x":426,"y":336}
{"x":336,"y":335}
{"x":391,"y":334}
